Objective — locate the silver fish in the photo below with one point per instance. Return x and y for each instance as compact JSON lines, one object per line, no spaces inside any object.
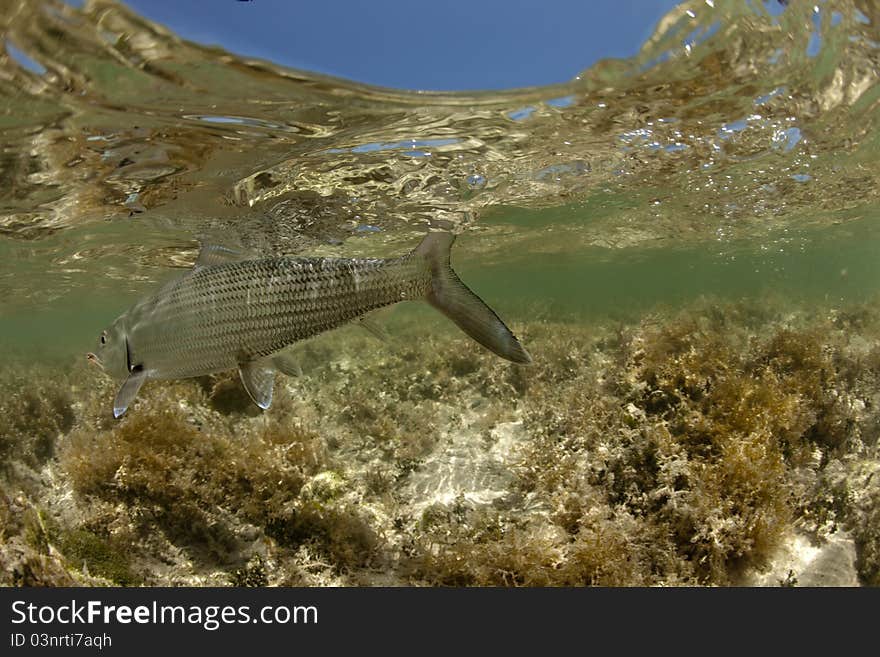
{"x":231,"y":313}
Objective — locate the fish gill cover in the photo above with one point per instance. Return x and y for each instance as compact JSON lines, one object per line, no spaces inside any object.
{"x":658,"y":439}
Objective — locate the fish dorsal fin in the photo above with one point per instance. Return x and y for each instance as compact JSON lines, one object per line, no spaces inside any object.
{"x":214,"y":254}
{"x":259,"y":380}
{"x":286,"y":363}
{"x":129,"y":390}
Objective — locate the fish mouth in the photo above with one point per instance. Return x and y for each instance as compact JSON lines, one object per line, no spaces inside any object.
{"x":93,"y":358}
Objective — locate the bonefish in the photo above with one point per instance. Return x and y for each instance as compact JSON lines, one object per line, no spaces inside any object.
{"x":230,"y":312}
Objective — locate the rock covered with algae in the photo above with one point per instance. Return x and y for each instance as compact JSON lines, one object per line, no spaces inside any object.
{"x":722,"y":444}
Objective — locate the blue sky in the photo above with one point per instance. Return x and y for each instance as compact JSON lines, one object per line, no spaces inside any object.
{"x":420,"y":44}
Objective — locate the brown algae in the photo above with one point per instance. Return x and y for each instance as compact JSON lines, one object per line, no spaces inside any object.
{"x":687,"y":448}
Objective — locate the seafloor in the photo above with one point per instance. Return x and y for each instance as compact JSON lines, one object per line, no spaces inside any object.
{"x":714,"y":445}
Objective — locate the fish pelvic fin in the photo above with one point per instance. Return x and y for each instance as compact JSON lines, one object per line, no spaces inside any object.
{"x":373,"y":327}
{"x":128,"y":391}
{"x":286,"y":363}
{"x":455,"y":300}
{"x":259,"y":381}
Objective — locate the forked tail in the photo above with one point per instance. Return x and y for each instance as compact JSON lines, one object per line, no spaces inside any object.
{"x":453,"y":298}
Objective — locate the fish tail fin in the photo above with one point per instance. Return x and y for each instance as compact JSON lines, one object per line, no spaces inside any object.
{"x":453,"y":298}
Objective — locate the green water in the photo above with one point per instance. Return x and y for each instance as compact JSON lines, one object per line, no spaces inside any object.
{"x":835,"y":265}
{"x":696,"y":169}
{"x":832,"y":267}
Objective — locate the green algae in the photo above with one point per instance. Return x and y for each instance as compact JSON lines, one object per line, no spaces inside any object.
{"x":686,"y":448}
{"x":99,"y":555}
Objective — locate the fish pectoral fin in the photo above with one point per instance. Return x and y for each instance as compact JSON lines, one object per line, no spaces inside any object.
{"x":259,"y":380}
{"x":287,"y":364}
{"x":128,"y":391}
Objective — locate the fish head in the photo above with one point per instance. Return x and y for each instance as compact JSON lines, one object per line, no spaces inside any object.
{"x":112,"y":350}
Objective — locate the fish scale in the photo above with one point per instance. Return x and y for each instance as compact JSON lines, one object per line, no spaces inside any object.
{"x":219,"y":316}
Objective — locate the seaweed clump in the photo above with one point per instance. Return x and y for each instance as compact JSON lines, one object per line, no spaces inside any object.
{"x":36,"y":407}
{"x":26,"y":556}
{"x":213,"y":487}
{"x":685,"y":450}
{"x":691,"y":448}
